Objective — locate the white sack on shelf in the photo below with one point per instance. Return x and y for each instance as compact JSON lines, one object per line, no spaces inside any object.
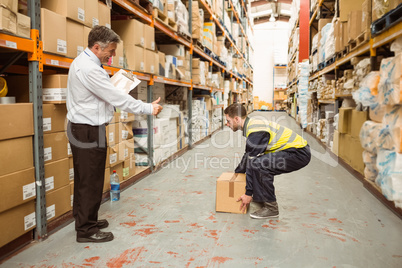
{"x":393,"y":123}
{"x":369,"y":136}
{"x":389,"y":88}
{"x":370,"y":161}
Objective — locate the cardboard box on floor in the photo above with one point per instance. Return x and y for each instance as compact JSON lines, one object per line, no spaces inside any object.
{"x":58,"y":203}
{"x":56,"y":174}
{"x":55,"y":146}
{"x":16,"y":155}
{"x":357,"y":120}
{"x":17,"y":188}
{"x":229,"y":187}
{"x":356,"y":155}
{"x":17,"y":221}
{"x":345,"y":119}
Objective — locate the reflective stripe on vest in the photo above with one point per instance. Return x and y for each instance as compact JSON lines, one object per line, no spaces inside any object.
{"x":281,"y":138}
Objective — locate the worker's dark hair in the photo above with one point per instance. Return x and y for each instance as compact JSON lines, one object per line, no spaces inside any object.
{"x":103,"y":36}
{"x":236,"y":109}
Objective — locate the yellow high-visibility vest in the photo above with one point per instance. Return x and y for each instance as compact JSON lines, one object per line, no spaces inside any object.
{"x":281,"y":138}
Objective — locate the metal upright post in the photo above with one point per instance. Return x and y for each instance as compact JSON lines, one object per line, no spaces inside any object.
{"x":150,"y":129}
{"x":190,"y":91}
{"x":35,"y":97}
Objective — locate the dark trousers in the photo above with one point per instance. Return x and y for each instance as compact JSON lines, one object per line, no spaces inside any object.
{"x":88,"y":145}
{"x":261,"y":170}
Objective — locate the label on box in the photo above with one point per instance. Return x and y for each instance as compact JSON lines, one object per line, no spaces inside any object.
{"x":71,"y":174}
{"x":29,"y":221}
{"x":124,"y":134}
{"x":28,"y":191}
{"x":47,"y":154}
{"x":54,"y":94}
{"x":69,"y":152}
{"x":111,"y":137}
{"x":125,"y":153}
{"x":123,"y":115}
{"x":47,"y":124}
{"x":121,"y":61}
{"x":180,"y":63}
{"x":95,"y":22}
{"x":72,"y":200}
{"x":153,"y":45}
{"x":61,"y":46}
{"x":108,"y":26}
{"x":142,"y":42}
{"x":152,"y":69}
{"x":80,"y":49}
{"x":126,"y":171}
{"x":113,"y":158}
{"x":81,"y":14}
{"x":142,"y":66}
{"x":50,"y":212}
{"x":49,"y":183}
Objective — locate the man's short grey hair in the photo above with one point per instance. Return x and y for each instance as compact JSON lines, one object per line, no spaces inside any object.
{"x":103,"y":36}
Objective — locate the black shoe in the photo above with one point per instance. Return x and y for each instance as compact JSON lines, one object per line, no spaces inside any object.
{"x":98,"y":237}
{"x":102,"y":224}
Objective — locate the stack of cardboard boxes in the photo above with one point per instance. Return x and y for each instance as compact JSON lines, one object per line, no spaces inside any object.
{"x":177,"y":64}
{"x":17,"y":173}
{"x":200,"y":71}
{"x":12,"y":21}
{"x":346,"y":143}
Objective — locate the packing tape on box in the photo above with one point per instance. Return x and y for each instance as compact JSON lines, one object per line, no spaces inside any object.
{"x":231,"y":185}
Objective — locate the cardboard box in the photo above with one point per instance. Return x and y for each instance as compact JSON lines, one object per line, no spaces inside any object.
{"x":104,"y":15}
{"x":112,"y":134}
{"x":357,"y":120}
{"x":75,"y":38}
{"x":126,"y":117}
{"x":129,"y":167}
{"x":54,"y":88}
{"x":196,"y":63}
{"x":106,"y":182}
{"x":10,"y":4}
{"x":17,"y":221}
{"x":113,"y":156}
{"x":55,"y":146}
{"x":162,"y":62}
{"x":58,"y":202}
{"x":174,"y":50}
{"x":345,"y":146}
{"x":335,"y":142}
{"x":72,"y":9}
{"x":345,"y":118}
{"x":18,"y":122}
{"x":356,"y":155}
{"x":345,"y":34}
{"x":17,"y":188}
{"x":322,"y":23}
{"x":118,"y":60}
{"x":229,"y":187}
{"x":54,"y":118}
{"x":126,"y":149}
{"x":16,"y":155}
{"x":70,"y":168}
{"x":57,"y":174}
{"x":23,"y":25}
{"x":91,"y":13}
{"x":54,"y":32}
{"x":366,"y":16}
{"x":135,"y":57}
{"x":8,"y":20}
{"x":156,"y":63}
{"x":354,"y":24}
{"x":87,"y":30}
{"x":130,"y":31}
{"x":149,"y":37}
{"x":149,"y":61}
{"x":346,"y":6}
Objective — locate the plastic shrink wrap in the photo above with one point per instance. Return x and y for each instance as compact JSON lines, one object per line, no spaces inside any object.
{"x":370,"y":162}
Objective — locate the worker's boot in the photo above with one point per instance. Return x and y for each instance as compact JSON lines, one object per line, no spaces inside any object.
{"x":269,"y":210}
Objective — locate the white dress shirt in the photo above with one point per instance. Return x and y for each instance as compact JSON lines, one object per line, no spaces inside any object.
{"x":91,"y":97}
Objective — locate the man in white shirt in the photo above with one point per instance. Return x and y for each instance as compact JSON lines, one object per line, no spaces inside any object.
{"x":91,"y":99}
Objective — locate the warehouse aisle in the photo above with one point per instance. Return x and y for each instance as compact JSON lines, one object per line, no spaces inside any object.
{"x":168,"y":219}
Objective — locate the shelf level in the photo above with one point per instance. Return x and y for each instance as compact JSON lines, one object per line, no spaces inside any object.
{"x":16,"y":43}
{"x":127,"y":5}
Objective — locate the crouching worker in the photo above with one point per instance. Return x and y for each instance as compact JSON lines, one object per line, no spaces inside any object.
{"x":271,"y":149}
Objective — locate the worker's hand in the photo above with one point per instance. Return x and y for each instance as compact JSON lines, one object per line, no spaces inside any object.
{"x":156,"y":108}
{"x":245,"y":201}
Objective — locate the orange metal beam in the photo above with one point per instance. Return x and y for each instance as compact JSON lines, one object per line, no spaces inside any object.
{"x":16,"y":43}
{"x":134,"y":9}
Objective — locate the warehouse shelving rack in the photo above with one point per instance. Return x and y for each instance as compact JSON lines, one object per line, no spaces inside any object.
{"x":369,"y":49}
{"x":38,"y":60}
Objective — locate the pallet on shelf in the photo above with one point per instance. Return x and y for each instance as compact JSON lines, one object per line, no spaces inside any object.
{"x":158,"y":14}
{"x":184,"y":36}
{"x":360,"y":40}
{"x":341,"y":54}
{"x":387,"y":21}
{"x":146,"y":5}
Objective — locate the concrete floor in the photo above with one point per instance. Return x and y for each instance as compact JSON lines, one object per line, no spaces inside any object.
{"x":327,"y":219}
